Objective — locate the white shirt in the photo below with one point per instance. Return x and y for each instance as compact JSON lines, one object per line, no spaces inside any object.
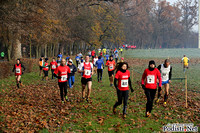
{"x":80,"y":67}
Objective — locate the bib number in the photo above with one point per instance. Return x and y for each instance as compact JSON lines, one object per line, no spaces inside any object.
{"x":124,"y":83}
{"x":53,"y":66}
{"x":88,"y":72}
{"x":71,"y":70}
{"x":151,"y":79}
{"x":111,"y":67}
{"x":17,"y":70}
{"x":64,"y":78}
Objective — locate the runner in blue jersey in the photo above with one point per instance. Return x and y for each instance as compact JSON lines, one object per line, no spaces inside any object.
{"x":100,"y":67}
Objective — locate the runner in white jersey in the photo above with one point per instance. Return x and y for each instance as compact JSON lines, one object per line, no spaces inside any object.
{"x":166,"y":74}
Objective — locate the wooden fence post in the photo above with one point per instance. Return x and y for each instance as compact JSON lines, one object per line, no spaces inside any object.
{"x":186,"y":104}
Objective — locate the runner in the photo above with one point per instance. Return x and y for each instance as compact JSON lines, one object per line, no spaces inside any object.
{"x":166,"y":74}
{"x":111,"y":67}
{"x":45,"y":69}
{"x":124,"y":82}
{"x":122,"y":59}
{"x":53,"y":65}
{"x":121,"y":50}
{"x":89,"y":53}
{"x":87,"y":69}
{"x":67,"y":58}
{"x":104,"y":51}
{"x":107,"y":57}
{"x":100,"y":67}
{"x":41,"y":61}
{"x":99,"y":50}
{"x":2,"y":55}
{"x":149,"y":84}
{"x":80,"y":54}
{"x":73,"y":69}
{"x":61,"y":73}
{"x":58,"y":60}
{"x":77,"y":58}
{"x":93,"y":54}
{"x":94,"y":64}
{"x":116,"y":56}
{"x":185,"y":62}
{"x":18,"y":72}
{"x":60,"y":55}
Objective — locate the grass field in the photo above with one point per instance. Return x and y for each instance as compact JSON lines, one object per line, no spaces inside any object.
{"x":37,"y":106}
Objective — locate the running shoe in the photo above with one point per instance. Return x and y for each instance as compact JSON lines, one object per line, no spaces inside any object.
{"x":67,"y":99}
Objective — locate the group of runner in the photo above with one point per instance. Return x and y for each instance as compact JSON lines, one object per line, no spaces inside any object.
{"x":64,"y":70}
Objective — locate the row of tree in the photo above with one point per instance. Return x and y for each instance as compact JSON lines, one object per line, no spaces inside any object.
{"x":69,"y":26}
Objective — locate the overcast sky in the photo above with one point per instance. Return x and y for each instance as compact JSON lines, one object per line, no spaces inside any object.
{"x":195,"y":28}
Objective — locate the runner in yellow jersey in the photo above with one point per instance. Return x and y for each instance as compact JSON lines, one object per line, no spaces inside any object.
{"x":185,"y":62}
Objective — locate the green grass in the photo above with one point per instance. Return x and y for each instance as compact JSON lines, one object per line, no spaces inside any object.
{"x":163,"y":53}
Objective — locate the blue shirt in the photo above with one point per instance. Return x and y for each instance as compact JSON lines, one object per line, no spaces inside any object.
{"x":67,"y":58}
{"x":77,"y":58}
{"x":99,"y":64}
{"x":107,"y":56}
{"x":116,"y":55}
{"x":102,"y":58}
{"x":60,"y":55}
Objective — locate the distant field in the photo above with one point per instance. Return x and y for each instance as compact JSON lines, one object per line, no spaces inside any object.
{"x":163,"y":53}
{"x":139,"y":58}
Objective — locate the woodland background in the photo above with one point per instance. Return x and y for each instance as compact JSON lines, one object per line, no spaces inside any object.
{"x":31,"y":28}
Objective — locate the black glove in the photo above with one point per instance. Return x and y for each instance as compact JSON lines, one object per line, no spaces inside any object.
{"x":159,"y":88}
{"x":132,"y":90}
{"x":103,"y":67}
{"x":143,"y":87}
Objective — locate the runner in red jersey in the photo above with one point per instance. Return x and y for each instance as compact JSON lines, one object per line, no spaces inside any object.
{"x":46,"y":69}
{"x":63,"y":70}
{"x":18,"y":72}
{"x":86,"y":68}
{"x":149,"y":84}
{"x":111,"y":67}
{"x":53,"y":66}
{"x":124,"y":82}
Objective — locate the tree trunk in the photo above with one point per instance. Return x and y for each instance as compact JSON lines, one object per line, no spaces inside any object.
{"x":53,"y":50}
{"x":45,"y":50}
{"x":37,"y":51}
{"x":17,"y":50}
{"x":9,"y":49}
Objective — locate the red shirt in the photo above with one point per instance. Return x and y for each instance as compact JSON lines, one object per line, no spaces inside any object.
{"x":111,"y":65}
{"x":150,"y":78}
{"x":46,"y":68}
{"x":53,"y":65}
{"x":123,"y":80}
{"x":18,"y":70}
{"x":87,"y":70}
{"x":93,"y":53}
{"x":62,"y":71}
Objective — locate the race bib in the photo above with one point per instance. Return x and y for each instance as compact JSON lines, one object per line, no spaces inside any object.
{"x":164,"y":74}
{"x":111,"y":67}
{"x":58,"y":64}
{"x":64,"y":78}
{"x":87,"y":72}
{"x":124,"y":83}
{"x":151,"y":79}
{"x":17,"y":70}
{"x":53,"y":66}
{"x":71,"y":70}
